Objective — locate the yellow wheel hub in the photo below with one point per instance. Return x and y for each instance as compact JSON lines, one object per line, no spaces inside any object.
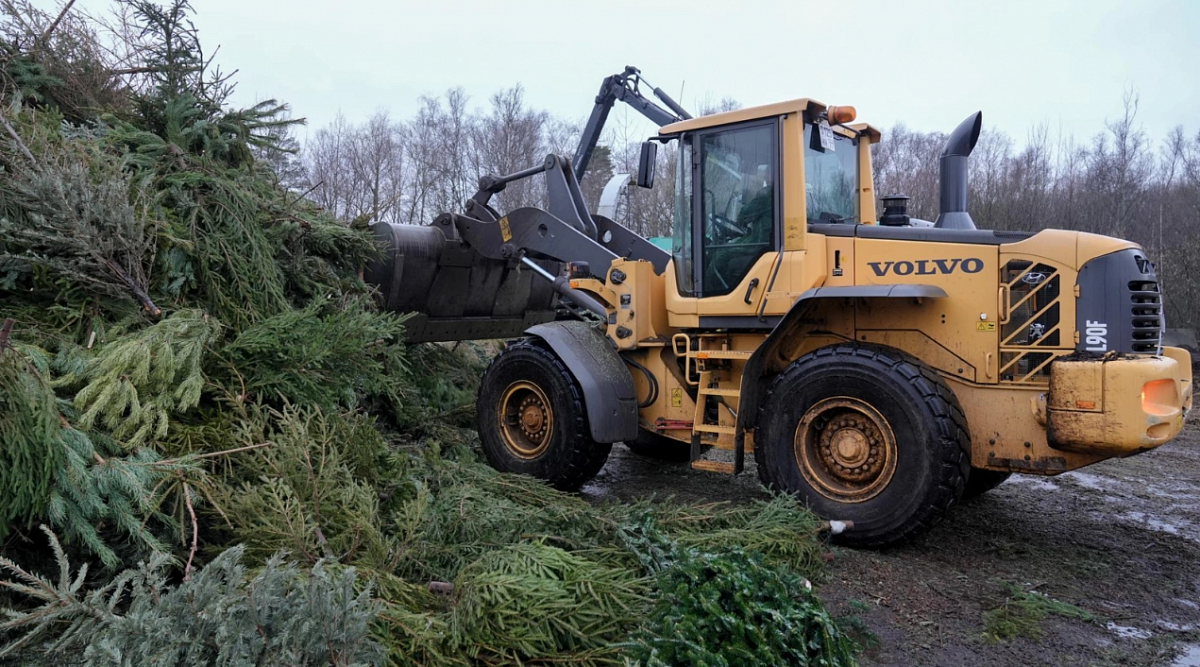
{"x":526,"y":419}
{"x":846,"y":449}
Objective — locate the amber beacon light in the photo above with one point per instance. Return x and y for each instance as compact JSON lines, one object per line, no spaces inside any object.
{"x":841,"y":115}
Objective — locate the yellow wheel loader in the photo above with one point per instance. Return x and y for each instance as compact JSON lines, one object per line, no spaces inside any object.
{"x":877,"y":366}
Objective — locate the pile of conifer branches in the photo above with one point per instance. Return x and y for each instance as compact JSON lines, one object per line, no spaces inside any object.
{"x":218,"y":451}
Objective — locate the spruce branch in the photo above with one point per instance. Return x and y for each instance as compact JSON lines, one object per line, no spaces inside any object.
{"x":224,"y":614}
{"x":60,"y":602}
{"x":135,"y":385}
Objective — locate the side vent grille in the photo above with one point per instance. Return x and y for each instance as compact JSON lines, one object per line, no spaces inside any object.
{"x":1031,"y":336}
{"x":1146,"y":311}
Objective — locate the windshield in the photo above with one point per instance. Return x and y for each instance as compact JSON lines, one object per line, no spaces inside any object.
{"x":831,"y":180}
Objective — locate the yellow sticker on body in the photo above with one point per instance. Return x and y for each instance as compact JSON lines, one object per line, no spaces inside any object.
{"x":505,"y":231}
{"x":985,"y":326}
{"x":677,"y":397}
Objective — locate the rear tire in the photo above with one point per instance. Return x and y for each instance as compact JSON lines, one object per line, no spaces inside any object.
{"x":867,"y":434}
{"x":532,"y":420}
{"x":981,"y":481}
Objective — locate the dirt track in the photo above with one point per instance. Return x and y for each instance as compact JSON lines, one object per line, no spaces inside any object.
{"x":1119,"y":541}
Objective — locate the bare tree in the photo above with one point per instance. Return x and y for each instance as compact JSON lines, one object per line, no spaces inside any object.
{"x":327,"y":161}
{"x":511,"y":138}
{"x":377,"y":167}
{"x":1116,"y":183}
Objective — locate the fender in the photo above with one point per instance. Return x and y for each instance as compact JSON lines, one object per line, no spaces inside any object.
{"x":608,"y":392}
{"x":754,"y":382}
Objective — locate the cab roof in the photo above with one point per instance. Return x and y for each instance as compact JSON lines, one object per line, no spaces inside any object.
{"x":799,"y":105}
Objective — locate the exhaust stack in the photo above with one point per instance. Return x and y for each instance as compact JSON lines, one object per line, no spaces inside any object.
{"x":958,"y":148}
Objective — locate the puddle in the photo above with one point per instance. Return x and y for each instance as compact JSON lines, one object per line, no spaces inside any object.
{"x":1127,"y":632}
{"x":1189,"y":658}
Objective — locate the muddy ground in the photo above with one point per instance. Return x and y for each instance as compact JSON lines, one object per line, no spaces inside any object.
{"x":1096,"y":567}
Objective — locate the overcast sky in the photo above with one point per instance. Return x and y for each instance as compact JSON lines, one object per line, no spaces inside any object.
{"x":927,"y":63}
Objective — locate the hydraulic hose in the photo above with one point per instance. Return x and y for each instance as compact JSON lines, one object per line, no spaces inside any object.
{"x":652,"y":397}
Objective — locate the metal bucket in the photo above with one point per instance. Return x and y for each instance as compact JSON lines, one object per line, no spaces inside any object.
{"x":456,"y":293}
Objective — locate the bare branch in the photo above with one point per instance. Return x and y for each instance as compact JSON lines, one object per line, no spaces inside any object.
{"x":50,"y":30}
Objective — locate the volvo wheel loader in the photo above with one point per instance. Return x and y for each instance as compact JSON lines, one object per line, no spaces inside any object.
{"x":877,"y":366}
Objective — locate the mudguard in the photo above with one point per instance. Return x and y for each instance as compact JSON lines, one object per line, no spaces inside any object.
{"x":753,"y":381}
{"x":608,"y":392}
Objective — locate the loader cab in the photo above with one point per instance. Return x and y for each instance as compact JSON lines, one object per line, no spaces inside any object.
{"x":748,"y":183}
{"x":727,"y":205}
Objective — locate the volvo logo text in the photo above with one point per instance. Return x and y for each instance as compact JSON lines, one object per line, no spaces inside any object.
{"x":927,"y":267}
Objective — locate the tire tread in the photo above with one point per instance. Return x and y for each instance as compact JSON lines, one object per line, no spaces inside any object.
{"x":950,"y":422}
{"x":586,"y":456}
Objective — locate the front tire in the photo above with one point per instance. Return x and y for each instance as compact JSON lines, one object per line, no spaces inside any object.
{"x":532,"y":420}
{"x":867,"y":434}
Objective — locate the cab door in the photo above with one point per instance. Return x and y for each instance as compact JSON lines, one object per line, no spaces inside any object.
{"x":730,"y":202}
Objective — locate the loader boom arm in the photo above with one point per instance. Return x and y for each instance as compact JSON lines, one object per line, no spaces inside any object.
{"x":624,"y":87}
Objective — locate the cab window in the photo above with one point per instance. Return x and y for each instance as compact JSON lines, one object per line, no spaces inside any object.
{"x":831,"y":179}
{"x":737,"y":203}
{"x":681,"y":236}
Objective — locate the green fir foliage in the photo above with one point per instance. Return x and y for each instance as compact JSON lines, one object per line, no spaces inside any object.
{"x":72,"y":220}
{"x":28,"y":420}
{"x":1023,"y":612}
{"x":225,"y":615}
{"x":535,"y":603}
{"x":308,"y":491}
{"x":55,"y":471}
{"x":133,"y":385}
{"x":111,"y":493}
{"x":199,"y":381}
{"x":736,"y":608}
{"x":326,"y":354}
{"x":460,"y":510}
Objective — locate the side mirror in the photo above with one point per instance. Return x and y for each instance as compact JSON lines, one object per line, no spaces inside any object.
{"x":645,"y":174}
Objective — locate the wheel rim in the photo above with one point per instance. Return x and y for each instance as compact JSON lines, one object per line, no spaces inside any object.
{"x":846,"y":449}
{"x":526,"y":419}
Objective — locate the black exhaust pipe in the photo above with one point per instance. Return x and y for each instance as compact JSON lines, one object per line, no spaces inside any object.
{"x":958,"y":148}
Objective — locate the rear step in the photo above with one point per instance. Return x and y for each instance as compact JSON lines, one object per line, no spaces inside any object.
{"x":715,"y":466}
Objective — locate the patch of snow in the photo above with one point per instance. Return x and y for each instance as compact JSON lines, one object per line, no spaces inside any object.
{"x":1034,"y":482}
{"x":1189,"y":658}
{"x":1128,"y":632}
{"x":1088,"y":480}
{"x":1161,"y":524}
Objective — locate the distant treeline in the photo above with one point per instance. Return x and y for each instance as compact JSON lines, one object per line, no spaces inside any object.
{"x":1119,"y":182}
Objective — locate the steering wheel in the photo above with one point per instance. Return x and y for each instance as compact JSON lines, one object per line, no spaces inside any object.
{"x":728,"y":226}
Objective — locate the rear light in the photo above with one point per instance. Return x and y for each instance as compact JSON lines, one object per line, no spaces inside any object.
{"x":1160,"y":398}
